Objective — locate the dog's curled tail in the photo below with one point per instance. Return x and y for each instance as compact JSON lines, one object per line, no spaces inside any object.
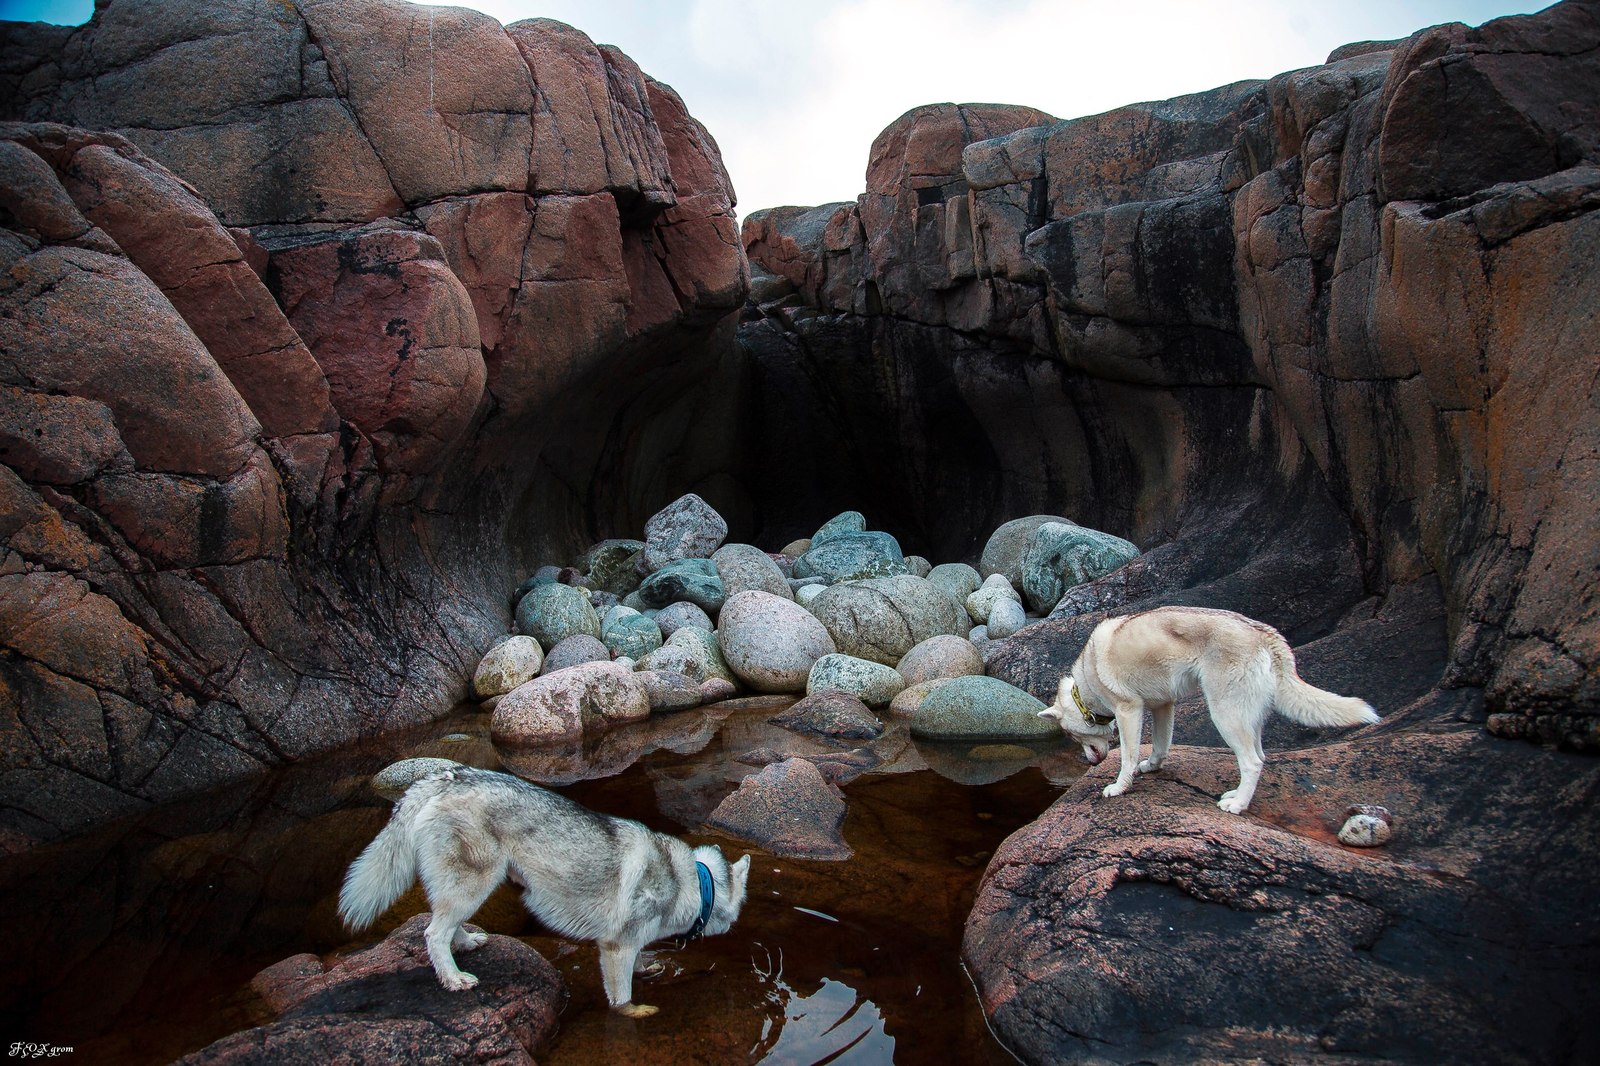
{"x":380,"y":873}
{"x":1310,"y":705}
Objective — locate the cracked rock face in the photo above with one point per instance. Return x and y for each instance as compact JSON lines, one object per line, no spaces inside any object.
{"x":302,"y":311}
{"x":1303,"y":341}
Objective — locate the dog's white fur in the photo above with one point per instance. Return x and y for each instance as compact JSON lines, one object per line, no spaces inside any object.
{"x":1148,"y":661}
{"x":586,"y":875}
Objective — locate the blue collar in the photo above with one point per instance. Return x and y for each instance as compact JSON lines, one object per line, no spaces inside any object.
{"x":708,"y":896}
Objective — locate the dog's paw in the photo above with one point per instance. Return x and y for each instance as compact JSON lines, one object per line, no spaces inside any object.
{"x":1232,"y":804}
{"x":1116,"y":788}
{"x":635,"y":1010}
{"x":468,"y":941}
{"x":460,"y":982}
{"x":1149,"y":766}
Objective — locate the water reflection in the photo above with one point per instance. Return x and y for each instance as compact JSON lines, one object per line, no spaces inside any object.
{"x":136,"y":943}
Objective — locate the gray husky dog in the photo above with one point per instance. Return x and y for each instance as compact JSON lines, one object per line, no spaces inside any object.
{"x":586,"y":875}
{"x":1244,"y":668}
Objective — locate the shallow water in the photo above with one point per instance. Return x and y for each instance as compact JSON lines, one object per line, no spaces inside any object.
{"x":136,"y":943}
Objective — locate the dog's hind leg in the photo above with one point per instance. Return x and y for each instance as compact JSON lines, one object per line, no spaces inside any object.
{"x":1160,"y":737}
{"x":617,"y":961}
{"x":456,"y":889}
{"x":1242,"y":732}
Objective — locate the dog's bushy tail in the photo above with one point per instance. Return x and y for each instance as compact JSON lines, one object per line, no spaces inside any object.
{"x":1310,"y":705}
{"x":380,"y":873}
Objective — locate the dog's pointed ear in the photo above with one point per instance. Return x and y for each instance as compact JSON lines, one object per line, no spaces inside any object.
{"x":741,"y":869}
{"x":1051,"y":712}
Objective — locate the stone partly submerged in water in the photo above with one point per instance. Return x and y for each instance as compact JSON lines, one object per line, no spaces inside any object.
{"x":565,"y":705}
{"x":392,"y":781}
{"x":831,"y":713}
{"x":509,"y":1017}
{"x":788,"y":808}
{"x":974,"y":708}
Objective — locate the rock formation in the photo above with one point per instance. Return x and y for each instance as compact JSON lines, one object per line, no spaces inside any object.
{"x":1312,"y":340}
{"x":1321,"y":346}
{"x":319,"y":323}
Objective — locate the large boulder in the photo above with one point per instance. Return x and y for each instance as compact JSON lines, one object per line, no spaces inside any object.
{"x":692,"y":651}
{"x":569,"y":704}
{"x":771,"y":643}
{"x":883,"y":618}
{"x":509,"y":663}
{"x":742,"y":567}
{"x":939,"y":656}
{"x":551,"y":612}
{"x":873,"y":683}
{"x":788,"y":809}
{"x":849,"y":556}
{"x":981,"y":708}
{"x":687,"y":528}
{"x":1062,"y":555}
{"x":687,"y":580}
{"x":1004,"y":551}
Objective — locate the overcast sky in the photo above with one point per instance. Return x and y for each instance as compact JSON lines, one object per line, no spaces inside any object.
{"x":795,"y":90}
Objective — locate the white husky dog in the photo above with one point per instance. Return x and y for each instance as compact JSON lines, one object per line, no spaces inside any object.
{"x":586,"y":875}
{"x":1147,"y":661}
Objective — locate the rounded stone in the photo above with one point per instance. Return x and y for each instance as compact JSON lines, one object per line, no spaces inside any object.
{"x":392,"y":781}
{"x":852,"y":557}
{"x":1005,"y":618}
{"x":958,"y":580}
{"x":909,"y":700}
{"x":670,"y":691}
{"x":997,"y":587}
{"x":806,"y":594}
{"x":796,"y":548}
{"x":917,"y":566}
{"x":552,"y":612}
{"x":742,"y":567}
{"x":558,"y":706}
{"x":691,"y":651}
{"x":1003,"y":552}
{"x":631,"y":635}
{"x":883,"y":618}
{"x":872,"y":683}
{"x":943,"y":655}
{"x":693,"y":580}
{"x":1062,"y":555}
{"x":611,"y":565}
{"x":674,"y":616}
{"x":771,"y":643}
{"x":713,"y":689}
{"x":575,"y":650}
{"x":981,"y":708}
{"x":844,"y":522}
{"x":508,"y":664}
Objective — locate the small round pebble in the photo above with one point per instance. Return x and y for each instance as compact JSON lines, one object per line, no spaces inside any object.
{"x":1366,"y":826}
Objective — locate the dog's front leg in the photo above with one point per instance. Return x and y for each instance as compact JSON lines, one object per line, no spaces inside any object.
{"x":616,"y":969}
{"x":1130,"y":727}
{"x":1160,"y":737}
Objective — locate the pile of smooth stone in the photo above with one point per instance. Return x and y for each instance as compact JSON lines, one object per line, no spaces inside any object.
{"x":679,"y":619}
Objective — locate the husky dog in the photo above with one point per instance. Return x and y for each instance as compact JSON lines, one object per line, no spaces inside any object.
{"x":1147,"y":661}
{"x":586,"y":875}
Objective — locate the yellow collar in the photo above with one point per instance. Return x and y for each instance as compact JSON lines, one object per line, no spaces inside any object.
{"x":1089,"y":717}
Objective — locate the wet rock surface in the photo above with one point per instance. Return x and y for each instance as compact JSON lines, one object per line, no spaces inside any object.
{"x":788,"y":808}
{"x":385,"y":1005}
